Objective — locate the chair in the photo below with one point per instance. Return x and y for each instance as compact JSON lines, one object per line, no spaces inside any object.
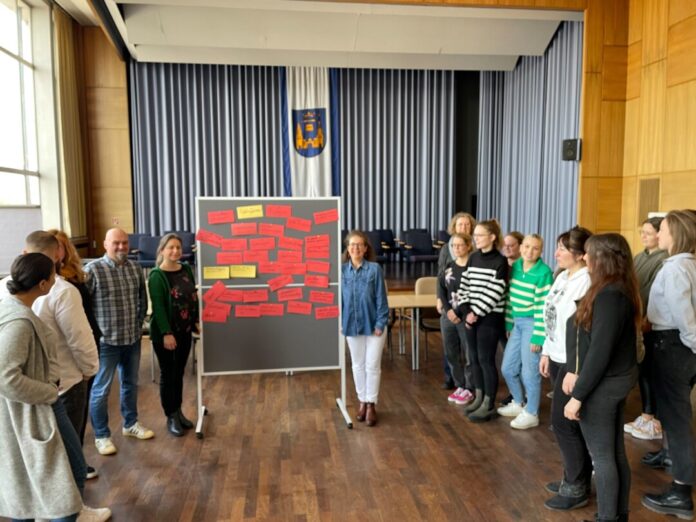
{"x":389,"y":244}
{"x":443,"y":237}
{"x":418,"y":247}
{"x":147,"y":251}
{"x":429,"y":317}
{"x":133,"y":243}
{"x":376,"y":242}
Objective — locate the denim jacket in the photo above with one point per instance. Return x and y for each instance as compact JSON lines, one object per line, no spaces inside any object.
{"x":364,"y":298}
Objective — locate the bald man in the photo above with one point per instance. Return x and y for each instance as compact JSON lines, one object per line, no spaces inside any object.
{"x":117,"y":287}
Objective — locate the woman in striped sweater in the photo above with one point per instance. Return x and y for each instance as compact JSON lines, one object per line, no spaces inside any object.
{"x":482,"y":305}
{"x":530,"y":281}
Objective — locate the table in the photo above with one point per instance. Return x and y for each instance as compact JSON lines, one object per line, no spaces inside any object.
{"x":415,"y":302}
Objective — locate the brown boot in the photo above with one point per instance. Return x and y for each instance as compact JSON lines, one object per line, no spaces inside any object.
{"x":371,"y":416}
{"x":361,"y":412}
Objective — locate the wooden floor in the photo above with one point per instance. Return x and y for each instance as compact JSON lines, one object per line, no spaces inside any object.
{"x":277,"y":448}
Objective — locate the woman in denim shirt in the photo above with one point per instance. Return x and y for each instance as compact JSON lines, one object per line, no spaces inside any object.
{"x":364,"y":319}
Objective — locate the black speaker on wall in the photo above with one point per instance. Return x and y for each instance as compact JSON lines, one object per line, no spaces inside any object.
{"x":571,"y":150}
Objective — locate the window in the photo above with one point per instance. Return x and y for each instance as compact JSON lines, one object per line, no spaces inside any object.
{"x":19,"y":172}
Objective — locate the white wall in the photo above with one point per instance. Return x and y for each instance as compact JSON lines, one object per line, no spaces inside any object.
{"x":15,"y":225}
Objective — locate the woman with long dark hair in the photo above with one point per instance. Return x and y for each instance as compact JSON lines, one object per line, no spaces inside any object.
{"x":364,"y":320}
{"x":35,"y":470}
{"x":602,"y":367}
{"x":672,"y":314}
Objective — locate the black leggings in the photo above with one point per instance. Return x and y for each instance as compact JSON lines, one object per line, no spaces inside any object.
{"x":645,"y":378}
{"x":172,"y":365}
{"x":482,"y":342}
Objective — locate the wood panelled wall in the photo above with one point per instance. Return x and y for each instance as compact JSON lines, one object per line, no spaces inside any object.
{"x":660,"y":129}
{"x":638,"y":111}
{"x":108,"y":136}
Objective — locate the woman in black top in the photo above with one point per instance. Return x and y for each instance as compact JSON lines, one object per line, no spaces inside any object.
{"x":602,"y":366}
{"x":482,"y":305}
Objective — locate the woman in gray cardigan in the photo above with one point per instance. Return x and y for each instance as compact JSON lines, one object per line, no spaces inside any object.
{"x":37,"y":479}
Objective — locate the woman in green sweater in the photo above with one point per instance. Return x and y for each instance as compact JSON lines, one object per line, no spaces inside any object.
{"x":530,"y":281}
{"x":174,"y":319}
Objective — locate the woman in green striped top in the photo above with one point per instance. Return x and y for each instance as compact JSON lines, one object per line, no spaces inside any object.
{"x":530,"y":281}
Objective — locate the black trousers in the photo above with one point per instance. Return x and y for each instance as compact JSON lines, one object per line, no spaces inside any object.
{"x":601,"y":422}
{"x":645,"y":378}
{"x":577,"y":465}
{"x":172,"y":366}
{"x":454,"y":342}
{"x":675,"y":375}
{"x":482,"y":342}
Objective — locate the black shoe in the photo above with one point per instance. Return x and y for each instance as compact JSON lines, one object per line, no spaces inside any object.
{"x":174,"y":425}
{"x":675,"y":501}
{"x":561,"y":503}
{"x":447,"y":385}
{"x":553,"y":487}
{"x":185,"y":423}
{"x":91,"y":473}
{"x":658,"y":460}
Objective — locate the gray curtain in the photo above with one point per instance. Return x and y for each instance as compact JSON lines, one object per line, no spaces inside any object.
{"x":397,"y":148}
{"x":524,"y":115}
{"x":202,"y":130}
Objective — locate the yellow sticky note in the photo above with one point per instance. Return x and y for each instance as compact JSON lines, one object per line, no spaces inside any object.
{"x":250,"y":211}
{"x":242,"y":270}
{"x":216,"y":272}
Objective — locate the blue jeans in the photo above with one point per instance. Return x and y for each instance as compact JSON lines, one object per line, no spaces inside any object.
{"x":71,"y":441}
{"x":127,"y":359}
{"x":521,"y":365}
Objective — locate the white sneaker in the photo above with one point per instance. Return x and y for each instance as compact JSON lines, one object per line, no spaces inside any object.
{"x":636,"y":424}
{"x":138,"y":431}
{"x":105,"y":446}
{"x":512,"y":409}
{"x":525,"y":421}
{"x":90,"y":514}
{"x":648,"y":430}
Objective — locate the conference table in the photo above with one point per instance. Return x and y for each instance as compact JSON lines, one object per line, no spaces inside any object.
{"x":413,"y":302}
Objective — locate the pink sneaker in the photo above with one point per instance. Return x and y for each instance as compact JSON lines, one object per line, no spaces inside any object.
{"x":454,"y":396}
{"x":465,"y":398}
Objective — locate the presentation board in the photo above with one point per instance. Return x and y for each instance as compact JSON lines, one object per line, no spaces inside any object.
{"x":269,"y":272}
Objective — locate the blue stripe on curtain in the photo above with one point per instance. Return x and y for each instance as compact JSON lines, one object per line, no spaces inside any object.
{"x":335,"y":134}
{"x":286,"y":140}
{"x":202,"y":130}
{"x":524,"y":115}
{"x":397,"y":148}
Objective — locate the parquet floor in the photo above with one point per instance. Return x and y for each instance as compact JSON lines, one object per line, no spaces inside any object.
{"x":277,"y":448}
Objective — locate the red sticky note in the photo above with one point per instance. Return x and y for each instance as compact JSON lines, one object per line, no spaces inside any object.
{"x":228,"y":258}
{"x":217,"y":217}
{"x":247,"y":311}
{"x":326,"y":216}
{"x":262,"y":243}
{"x":215,"y":292}
{"x":255,"y":256}
{"x":326,"y":312}
{"x":269,"y":229}
{"x":244,"y":229}
{"x":208,"y":237}
{"x":315,"y":296}
{"x":289,"y":294}
{"x":289,"y":256}
{"x":296,"y":223}
{"x":293,"y":268}
{"x":224,"y":308}
{"x":232,"y":296}
{"x":234,"y":244}
{"x":272,"y":309}
{"x":318,"y":266}
{"x":318,"y":241}
{"x":299,"y":307}
{"x":214,"y":315}
{"x":255,"y":296}
{"x":279,"y":282}
{"x":317,"y":253}
{"x":278,"y":211}
{"x":269,"y":267}
{"x":320,"y":281}
{"x":290,"y":243}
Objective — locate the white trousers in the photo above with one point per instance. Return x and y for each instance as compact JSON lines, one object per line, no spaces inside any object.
{"x":366,"y":355}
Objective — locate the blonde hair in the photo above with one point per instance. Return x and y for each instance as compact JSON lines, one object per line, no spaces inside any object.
{"x":71,"y":264}
{"x":682,"y":228}
{"x":535,"y":236}
{"x":457,"y":217}
{"x":163,"y":243}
